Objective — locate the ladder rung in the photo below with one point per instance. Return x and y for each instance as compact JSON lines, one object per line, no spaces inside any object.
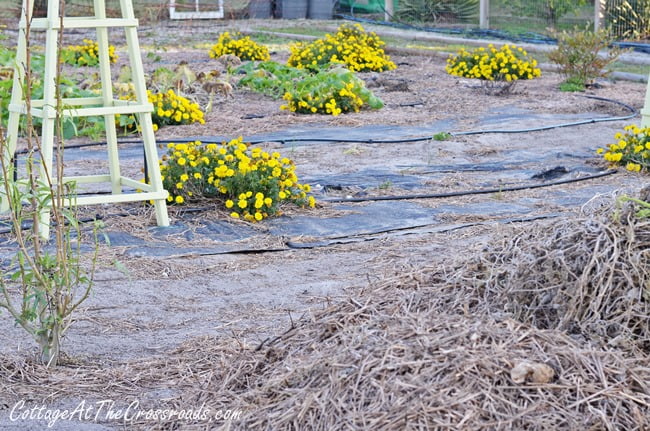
{"x":80,"y":22}
{"x":117,"y":198}
{"x":120,"y":107}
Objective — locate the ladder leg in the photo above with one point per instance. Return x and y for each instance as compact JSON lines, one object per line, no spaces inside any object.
{"x":107,"y":95}
{"x":48,"y":176}
{"x":148,"y":137}
{"x":17,"y":97}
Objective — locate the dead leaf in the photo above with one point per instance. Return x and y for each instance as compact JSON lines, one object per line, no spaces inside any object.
{"x":534,"y":372}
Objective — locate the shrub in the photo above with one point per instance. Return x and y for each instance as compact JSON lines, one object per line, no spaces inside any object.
{"x":498,"y":69}
{"x":578,"y":57}
{"x":240,"y":46}
{"x":86,"y":55}
{"x":330,"y":92}
{"x":252,"y":183}
{"x":631,"y":150}
{"x":438,"y":10}
{"x":351,"y":46}
{"x":551,"y":10}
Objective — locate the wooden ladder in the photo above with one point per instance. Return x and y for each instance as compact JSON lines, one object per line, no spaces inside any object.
{"x":105,"y":105}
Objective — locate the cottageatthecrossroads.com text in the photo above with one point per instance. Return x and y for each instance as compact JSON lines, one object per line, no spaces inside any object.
{"x":111,"y":411}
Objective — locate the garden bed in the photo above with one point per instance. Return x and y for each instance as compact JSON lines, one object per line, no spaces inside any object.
{"x":360,"y":312}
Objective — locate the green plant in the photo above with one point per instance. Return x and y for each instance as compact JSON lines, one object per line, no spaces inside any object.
{"x":252,"y":183}
{"x":579,"y":57}
{"x":240,"y":46}
{"x":572,"y":85}
{"x":438,"y":10}
{"x":350,"y":46}
{"x":270,"y":78}
{"x":631,"y":150}
{"x":497,"y":69}
{"x":86,"y":54}
{"x":332,"y":92}
{"x":43,"y":284}
{"x":441,"y":136}
{"x":629,"y":18}
{"x":552,"y":10}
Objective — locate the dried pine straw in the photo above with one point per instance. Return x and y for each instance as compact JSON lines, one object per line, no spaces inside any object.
{"x":431,"y":349}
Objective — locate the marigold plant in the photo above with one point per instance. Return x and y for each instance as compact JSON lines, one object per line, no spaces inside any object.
{"x":168,"y":109}
{"x":351,"y":46}
{"x":330,"y":92}
{"x":87,"y":54}
{"x":631,"y":150}
{"x":498,"y":69}
{"x":240,"y":46}
{"x":252,"y":183}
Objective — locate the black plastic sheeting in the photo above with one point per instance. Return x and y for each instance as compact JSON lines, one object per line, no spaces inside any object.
{"x":367,"y":220}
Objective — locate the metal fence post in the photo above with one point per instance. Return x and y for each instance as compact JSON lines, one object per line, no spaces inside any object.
{"x":388,"y":10}
{"x":599,"y":14}
{"x":645,"y":112}
{"x":484,"y":14}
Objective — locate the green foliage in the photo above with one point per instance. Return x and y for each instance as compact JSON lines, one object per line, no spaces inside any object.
{"x":629,"y":19}
{"x":330,"y":92}
{"x":350,"y":46}
{"x":551,"y":10}
{"x":270,"y":78}
{"x":441,"y":136}
{"x":438,"y":10}
{"x":572,"y":85}
{"x":252,"y":183}
{"x":578,"y":55}
{"x":43,"y":284}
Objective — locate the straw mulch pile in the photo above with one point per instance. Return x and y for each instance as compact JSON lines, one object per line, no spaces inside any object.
{"x":443,"y":348}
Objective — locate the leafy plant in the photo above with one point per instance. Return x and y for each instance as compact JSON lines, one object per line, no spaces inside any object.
{"x":497,"y":69}
{"x":270,"y":78}
{"x":86,"y":54}
{"x":332,"y":92}
{"x":631,"y":150}
{"x":239,"y":45}
{"x":629,"y":18}
{"x":252,"y":183}
{"x":441,"y":136}
{"x":43,"y":284}
{"x":578,"y":55}
{"x":438,"y":10}
{"x":350,"y":46}
{"x":572,"y":85}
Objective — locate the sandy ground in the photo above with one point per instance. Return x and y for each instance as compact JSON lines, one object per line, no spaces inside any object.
{"x":149,"y":306}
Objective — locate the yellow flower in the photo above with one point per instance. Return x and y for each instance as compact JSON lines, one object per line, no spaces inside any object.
{"x":234,"y":215}
{"x":181,"y":161}
{"x":179,"y":199}
{"x":229,"y":203}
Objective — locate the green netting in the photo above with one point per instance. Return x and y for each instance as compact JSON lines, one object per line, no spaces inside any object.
{"x":364,"y":6}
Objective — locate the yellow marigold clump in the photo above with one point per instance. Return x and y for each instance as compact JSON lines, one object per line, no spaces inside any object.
{"x":496,"y":68}
{"x":252,"y":183}
{"x":87,"y":54}
{"x":240,"y":46}
{"x":169,"y":108}
{"x":632,"y":149}
{"x":351,"y":46}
